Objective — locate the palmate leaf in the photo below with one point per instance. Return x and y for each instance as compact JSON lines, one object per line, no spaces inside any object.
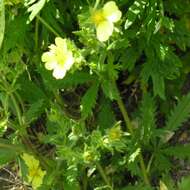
{"x":2,"y":21}
{"x":179,"y":115}
{"x":162,"y":63}
{"x":89,"y":100}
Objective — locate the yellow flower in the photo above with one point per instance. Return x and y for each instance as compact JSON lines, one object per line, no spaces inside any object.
{"x":104,"y":20}
{"x":35,"y":173}
{"x":88,"y":156}
{"x":115,"y":133}
{"x":59,"y":58}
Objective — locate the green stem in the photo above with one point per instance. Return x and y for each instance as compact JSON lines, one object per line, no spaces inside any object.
{"x":102,"y":173}
{"x":17,"y":96}
{"x":85,"y":180}
{"x":47,"y":25}
{"x":130,"y":128}
{"x":96,"y":4}
{"x":150,"y":163}
{"x":124,"y":113}
{"x":25,"y":139}
{"x":143,"y":169}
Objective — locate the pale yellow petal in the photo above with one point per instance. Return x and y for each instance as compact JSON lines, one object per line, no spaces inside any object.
{"x":38,"y":179}
{"x":104,"y":30}
{"x":59,"y":58}
{"x":111,"y":12}
{"x":50,"y":65}
{"x":30,"y":161}
{"x":61,"y":43}
{"x":52,"y":48}
{"x":59,"y":72}
{"x":47,"y":56}
{"x":37,"y":182}
{"x":69,"y":61}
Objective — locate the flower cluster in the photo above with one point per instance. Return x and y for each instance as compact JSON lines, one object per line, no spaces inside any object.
{"x":35,"y":173}
{"x":104,"y":20}
{"x":59,"y":58}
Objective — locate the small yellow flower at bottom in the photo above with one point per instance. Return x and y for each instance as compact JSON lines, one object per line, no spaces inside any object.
{"x":35,"y":173}
{"x":104,"y":20}
{"x":59,"y":58}
{"x":35,"y":177}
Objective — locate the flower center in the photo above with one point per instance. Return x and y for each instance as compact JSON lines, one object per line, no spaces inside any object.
{"x":98,"y":17}
{"x":61,"y":56}
{"x":115,"y":134}
{"x":34,"y":172}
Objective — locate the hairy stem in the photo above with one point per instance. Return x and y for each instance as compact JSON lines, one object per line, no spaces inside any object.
{"x":23,"y":125}
{"x":47,"y":25}
{"x":102,"y":173}
{"x":85,"y":180}
{"x":130,"y":128}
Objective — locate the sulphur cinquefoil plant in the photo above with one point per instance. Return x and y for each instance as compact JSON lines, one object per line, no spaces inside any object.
{"x":94,"y":94}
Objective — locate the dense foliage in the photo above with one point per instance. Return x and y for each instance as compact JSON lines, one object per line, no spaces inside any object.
{"x":92,"y":93}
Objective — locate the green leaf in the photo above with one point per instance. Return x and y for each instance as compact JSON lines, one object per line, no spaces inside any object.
{"x":8,"y":151}
{"x":179,"y":115}
{"x":35,"y":9}
{"x":6,"y":155}
{"x":34,"y":111}
{"x":158,"y":85}
{"x":148,"y":110}
{"x":162,"y":63}
{"x":129,"y":57}
{"x":105,"y":120}
{"x":134,"y":10}
{"x":16,"y":34}
{"x":2,"y":21}
{"x":118,"y":44}
{"x":162,"y":162}
{"x":49,"y":14}
{"x":179,"y":151}
{"x":29,"y":91}
{"x":109,"y":89}
{"x":70,"y":80}
{"x":89,"y":100}
{"x":184,"y":184}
